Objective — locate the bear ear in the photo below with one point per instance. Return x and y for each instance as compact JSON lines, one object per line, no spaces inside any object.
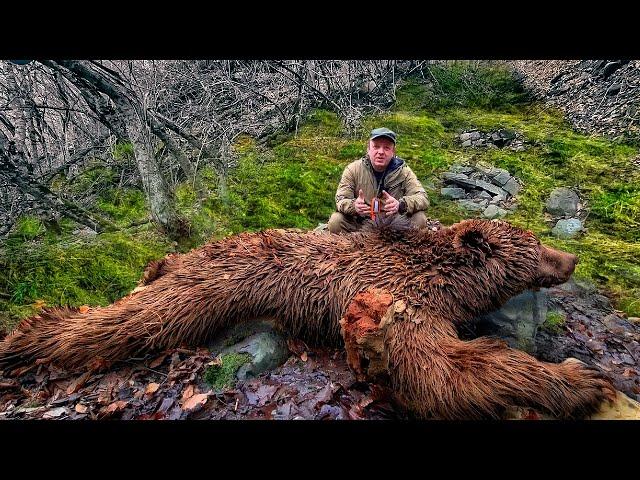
{"x":473,"y":238}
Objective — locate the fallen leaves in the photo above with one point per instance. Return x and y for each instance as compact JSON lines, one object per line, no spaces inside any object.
{"x":114,"y":407}
{"x":195,"y":401}
{"x":158,"y":361}
{"x":188,"y":393}
{"x":151,"y":388}
{"x":78,"y":383}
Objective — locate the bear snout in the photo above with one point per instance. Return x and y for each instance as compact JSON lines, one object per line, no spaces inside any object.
{"x":556,"y":267}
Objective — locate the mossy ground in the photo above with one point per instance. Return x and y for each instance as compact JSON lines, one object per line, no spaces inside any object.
{"x":554,"y":322}
{"x":291,"y":182}
{"x":223,"y":375}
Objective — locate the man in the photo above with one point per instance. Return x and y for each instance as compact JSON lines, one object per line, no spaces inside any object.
{"x":382,"y":179}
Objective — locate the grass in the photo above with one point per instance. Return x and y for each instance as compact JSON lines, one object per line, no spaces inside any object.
{"x":291,"y":182}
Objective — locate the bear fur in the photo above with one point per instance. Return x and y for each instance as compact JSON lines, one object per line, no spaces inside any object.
{"x":306,"y":281}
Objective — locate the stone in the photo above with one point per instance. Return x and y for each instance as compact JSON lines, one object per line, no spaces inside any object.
{"x":499,"y":176}
{"x":465,"y":169}
{"x":493,"y":211}
{"x":562,"y":202}
{"x":518,"y":320}
{"x":466,"y":143}
{"x":567,"y":228}
{"x":452,"y":192}
{"x":614,"y":89}
{"x":512,"y":187}
{"x":268,"y":349}
{"x":507,"y":134}
{"x":465,"y":136}
{"x":475,"y":135}
{"x":460,"y":179}
{"x":489,"y":187}
{"x":473,"y":206}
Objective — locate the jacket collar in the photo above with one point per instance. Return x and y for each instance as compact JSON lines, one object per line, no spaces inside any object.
{"x":394,"y":164}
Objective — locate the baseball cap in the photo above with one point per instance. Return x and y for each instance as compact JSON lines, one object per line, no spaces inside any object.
{"x":383,"y":132}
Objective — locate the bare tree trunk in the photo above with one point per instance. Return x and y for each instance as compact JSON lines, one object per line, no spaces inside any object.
{"x":135,"y":118}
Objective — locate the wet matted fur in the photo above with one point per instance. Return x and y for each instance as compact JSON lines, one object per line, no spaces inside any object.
{"x":306,"y":282}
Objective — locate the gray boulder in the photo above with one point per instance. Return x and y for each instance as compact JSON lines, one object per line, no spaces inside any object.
{"x":562,"y":202}
{"x":567,"y":228}
{"x":268,"y":349}
{"x":518,"y":320}
{"x":452,"y":192}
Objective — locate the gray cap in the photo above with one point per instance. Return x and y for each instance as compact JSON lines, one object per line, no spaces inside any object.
{"x":383,"y":132}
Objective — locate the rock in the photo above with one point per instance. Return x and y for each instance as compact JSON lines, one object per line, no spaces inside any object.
{"x":499,"y":176}
{"x":507,"y":134}
{"x":322,"y":227}
{"x":466,"y":143}
{"x":475,"y":135}
{"x":567,"y":228}
{"x":562,"y":202}
{"x":518,"y":320}
{"x":460,"y":179}
{"x":489,"y":187}
{"x":473,"y":206}
{"x":483,"y":194}
{"x":267,"y":348}
{"x":493,"y":211}
{"x":465,"y":136}
{"x":614,"y":89}
{"x":512,"y":186}
{"x":465,"y":169}
{"x":452,"y":192}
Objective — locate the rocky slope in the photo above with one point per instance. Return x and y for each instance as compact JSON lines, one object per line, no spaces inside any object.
{"x":597,"y":96}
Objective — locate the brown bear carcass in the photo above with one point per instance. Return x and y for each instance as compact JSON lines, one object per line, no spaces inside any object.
{"x":307,"y":282}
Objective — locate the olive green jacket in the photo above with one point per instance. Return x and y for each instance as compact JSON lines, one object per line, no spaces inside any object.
{"x":400,"y":182}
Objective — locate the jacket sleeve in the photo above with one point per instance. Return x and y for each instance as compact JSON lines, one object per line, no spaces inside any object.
{"x":415,"y":195}
{"x":345,"y":195}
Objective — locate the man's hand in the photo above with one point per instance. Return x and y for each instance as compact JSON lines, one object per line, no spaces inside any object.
{"x":391,"y":205}
{"x":361,"y":207}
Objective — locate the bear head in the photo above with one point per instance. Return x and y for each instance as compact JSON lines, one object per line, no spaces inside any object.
{"x":496,"y":260}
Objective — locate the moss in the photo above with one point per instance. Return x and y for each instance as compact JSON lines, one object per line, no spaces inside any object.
{"x":124,"y":206}
{"x":28,"y":228}
{"x":222,"y":376}
{"x":554,"y":323}
{"x":71,"y":270}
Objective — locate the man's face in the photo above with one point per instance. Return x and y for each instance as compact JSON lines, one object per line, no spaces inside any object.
{"x":381,"y":150}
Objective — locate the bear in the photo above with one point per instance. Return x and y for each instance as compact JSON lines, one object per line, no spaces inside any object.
{"x":306,"y":282}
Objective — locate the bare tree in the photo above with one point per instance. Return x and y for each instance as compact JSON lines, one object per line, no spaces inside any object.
{"x":177,"y":115}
